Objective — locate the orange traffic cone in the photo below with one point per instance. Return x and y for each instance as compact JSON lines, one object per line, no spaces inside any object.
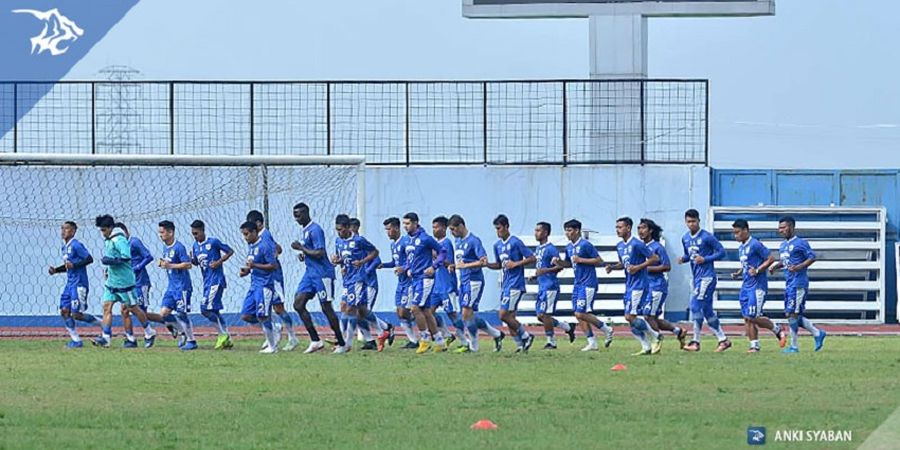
{"x":484,"y":424}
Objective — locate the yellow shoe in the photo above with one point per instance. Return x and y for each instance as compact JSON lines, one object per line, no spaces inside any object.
{"x":423,"y":347}
{"x":641,"y":353}
{"x":438,"y":348}
{"x":656,"y":346}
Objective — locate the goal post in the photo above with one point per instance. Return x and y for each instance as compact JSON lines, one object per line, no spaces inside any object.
{"x":41,"y":191}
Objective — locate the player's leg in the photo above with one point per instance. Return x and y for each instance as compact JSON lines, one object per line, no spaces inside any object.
{"x":109,"y":299}
{"x":452,"y":309}
{"x":543,"y":316}
{"x":631,"y":305}
{"x":65,"y":311}
{"x":182,"y":308}
{"x":799,"y":309}
{"x":325,"y":302}
{"x":707,"y":288}
{"x":287,"y":323}
{"x":550,"y":310}
{"x":263,"y":301}
{"x":211,"y":308}
{"x":127,"y":325}
{"x":764,"y":322}
{"x":306,"y":290}
{"x":525,"y":338}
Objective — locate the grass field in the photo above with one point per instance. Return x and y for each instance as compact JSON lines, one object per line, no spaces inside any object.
{"x":163,"y":398}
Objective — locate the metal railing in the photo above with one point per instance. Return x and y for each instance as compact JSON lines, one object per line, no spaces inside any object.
{"x":389,"y":122}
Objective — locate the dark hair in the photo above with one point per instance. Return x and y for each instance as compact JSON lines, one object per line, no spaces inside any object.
{"x":198,"y":224}
{"x":442,"y":221}
{"x":501,"y":220}
{"x":104,"y":221}
{"x":354,"y":222}
{"x":788,"y":220}
{"x":456,"y":220}
{"x":122,"y":226}
{"x":71,"y":224}
{"x":342,"y":220}
{"x":692,"y":214}
{"x":411,"y":216}
{"x":574,"y":224}
{"x":545,"y":226}
{"x":392,"y":221}
{"x":168,"y":225}
{"x":742,"y":224}
{"x":255,"y":216}
{"x":626,"y":221}
{"x":249,"y":226}
{"x":302,"y":206}
{"x":655,"y":230}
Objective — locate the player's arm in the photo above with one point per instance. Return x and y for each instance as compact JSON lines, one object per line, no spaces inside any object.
{"x":146,"y":257}
{"x":225,"y":253}
{"x":659,"y":268}
{"x":650,"y":259}
{"x":268,"y":266}
{"x":774,"y":267}
{"x":764,"y":266}
{"x":810,"y":259}
{"x":717,"y":254}
{"x":370,"y":256}
{"x":555,"y":267}
{"x":55,"y":270}
{"x":527,"y":256}
{"x":183,"y":258}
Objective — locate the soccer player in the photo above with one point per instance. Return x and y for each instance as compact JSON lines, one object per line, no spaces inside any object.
{"x":177,"y":298}
{"x":445,"y":292}
{"x":318,"y":279}
{"x":634,"y":258}
{"x":470,"y":257}
{"x":650,"y":232}
{"x":584,"y":258}
{"x":702,"y":250}
{"x":402,"y":295}
{"x":755,"y":261}
{"x":140,"y":258}
{"x":210,"y":254}
{"x":278,"y":282}
{"x":260,"y":265}
{"x":352,"y":252}
{"x":73,"y":301}
{"x":795,"y":257}
{"x":421,"y":266}
{"x":546,"y":273}
{"x":511,"y":256}
{"x":119,"y":285}
{"x":371,"y":270}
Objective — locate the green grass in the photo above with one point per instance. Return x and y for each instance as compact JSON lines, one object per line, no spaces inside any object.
{"x":162,"y":398}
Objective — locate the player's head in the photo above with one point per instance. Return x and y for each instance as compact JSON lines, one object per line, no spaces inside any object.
{"x":167,"y":231}
{"x":439,"y":226}
{"x":354,"y":225}
{"x":741,"y":230}
{"x":105,"y":223}
{"x":198,"y":230}
{"x":457,"y":226}
{"x":342,"y":226}
{"x":648,"y":230}
{"x":786,"y":226}
{"x":501,"y":226}
{"x":692,"y":220}
{"x":392,"y":228}
{"x":67,"y":230}
{"x":301,"y":214}
{"x":410,"y":222}
{"x":572,"y":229}
{"x":623,"y":227}
{"x":542,"y":231}
{"x":257,"y":218}
{"x":250,"y":232}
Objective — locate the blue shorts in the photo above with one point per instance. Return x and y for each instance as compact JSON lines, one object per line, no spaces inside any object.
{"x":278,"y":291}
{"x":583,"y":298}
{"x":470,"y":294}
{"x":509,"y":299}
{"x":657,"y":300}
{"x":371,"y":296}
{"x":421,"y":292}
{"x":178,"y":301}
{"x":448,"y":301}
{"x":752,"y":301}
{"x":636,"y":301}
{"x":142,"y":296}
{"x":321,"y":288}
{"x":702,"y":297}
{"x":546,"y":301}
{"x":212,"y":298}
{"x":258,"y":302}
{"x":402,"y":295}
{"x":795,"y":299}
{"x":354,"y":295}
{"x":74,"y":298}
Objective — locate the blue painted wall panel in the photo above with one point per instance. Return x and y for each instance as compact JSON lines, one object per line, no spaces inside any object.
{"x":805,"y":189}
{"x":744,"y":187}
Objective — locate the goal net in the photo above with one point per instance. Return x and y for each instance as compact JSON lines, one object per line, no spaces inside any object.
{"x":40,"y":192}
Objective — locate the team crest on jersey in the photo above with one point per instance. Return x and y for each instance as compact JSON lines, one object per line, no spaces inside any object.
{"x":791,"y":247}
{"x":418,"y":241}
{"x":208,"y":247}
{"x":171,"y":253}
{"x":352,"y":244}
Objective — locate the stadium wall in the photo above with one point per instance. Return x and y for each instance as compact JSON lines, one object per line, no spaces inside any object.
{"x":731,"y":187}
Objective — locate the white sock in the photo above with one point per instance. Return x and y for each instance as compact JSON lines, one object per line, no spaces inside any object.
{"x":439,"y":339}
{"x":491,"y":330}
{"x":808,"y":325}
{"x":410,"y":332}
{"x":645,"y":344}
{"x":551,"y":340}
{"x":367,"y":334}
{"x":149,"y":332}
{"x":754,"y":344}
{"x":382,"y":325}
{"x":73,"y":334}
{"x":565,"y":326}
{"x":592,"y":341}
{"x":130,"y":337}
{"x":720,"y":333}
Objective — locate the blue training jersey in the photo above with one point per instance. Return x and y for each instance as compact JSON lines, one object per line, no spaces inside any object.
{"x":420,"y":251}
{"x":354,"y":248}
{"x":705,"y":245}
{"x":752,"y":254}
{"x":585,"y":275}
{"x":398,"y":259}
{"x":266,"y":235}
{"x":545,"y":254}
{"x":467,"y":250}
{"x":444,"y":280}
{"x":75,"y":252}
{"x":179,"y":279}
{"x":792,"y":252}
{"x":372,"y":272}
{"x":314,"y":239}
{"x":140,"y":258}
{"x":658,"y":280}
{"x":632,"y":253}
{"x":512,"y":249}
{"x":205,"y":253}
{"x":261,"y":252}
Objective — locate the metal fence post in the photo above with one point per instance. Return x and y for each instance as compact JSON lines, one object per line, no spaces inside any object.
{"x":643,"y":127}
{"x":328,"y":143}
{"x":565,"y":124}
{"x":93,"y":117}
{"x":15,"y":117}
{"x":171,"y":118}
{"x":484,"y":121}
{"x":252,"y":137}
{"x":406,"y":128}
